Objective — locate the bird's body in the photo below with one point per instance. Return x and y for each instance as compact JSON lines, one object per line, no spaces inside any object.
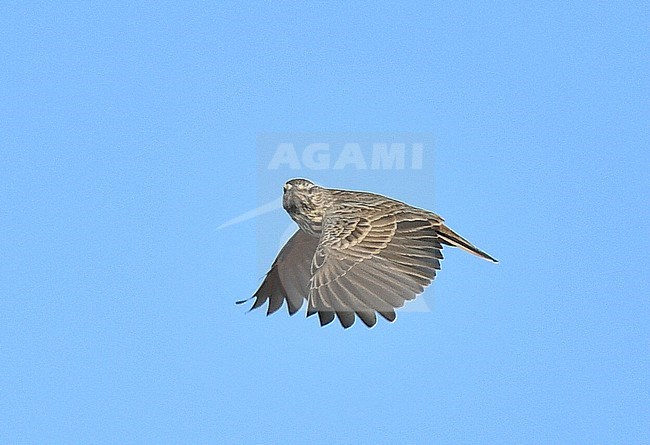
{"x":355,"y":253}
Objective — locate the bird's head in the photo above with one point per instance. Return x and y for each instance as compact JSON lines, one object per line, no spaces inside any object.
{"x":303,"y":199}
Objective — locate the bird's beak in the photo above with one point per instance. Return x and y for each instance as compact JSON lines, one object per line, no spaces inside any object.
{"x":287,"y":187}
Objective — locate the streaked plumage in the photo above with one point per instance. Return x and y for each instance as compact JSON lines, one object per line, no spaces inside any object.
{"x":355,"y":253}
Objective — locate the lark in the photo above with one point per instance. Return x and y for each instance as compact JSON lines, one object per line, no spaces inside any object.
{"x":355,"y":254}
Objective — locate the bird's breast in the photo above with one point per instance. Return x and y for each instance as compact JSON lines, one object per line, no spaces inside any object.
{"x":311,"y":226}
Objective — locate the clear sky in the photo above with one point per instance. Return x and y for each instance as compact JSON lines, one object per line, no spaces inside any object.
{"x":130,"y":131}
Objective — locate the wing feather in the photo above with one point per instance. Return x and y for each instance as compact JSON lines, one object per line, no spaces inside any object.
{"x":366,"y":264}
{"x":288,"y":279}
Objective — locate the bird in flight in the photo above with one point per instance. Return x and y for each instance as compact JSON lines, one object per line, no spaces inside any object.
{"x":355,"y":253}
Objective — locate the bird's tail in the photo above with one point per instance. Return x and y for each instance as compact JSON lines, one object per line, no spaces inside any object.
{"x":451,"y":238}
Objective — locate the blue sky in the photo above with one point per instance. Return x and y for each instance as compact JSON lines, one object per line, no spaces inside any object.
{"x":128,"y":133}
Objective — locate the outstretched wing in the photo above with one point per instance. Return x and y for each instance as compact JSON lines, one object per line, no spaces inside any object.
{"x":370,"y":264}
{"x":289,"y":276}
